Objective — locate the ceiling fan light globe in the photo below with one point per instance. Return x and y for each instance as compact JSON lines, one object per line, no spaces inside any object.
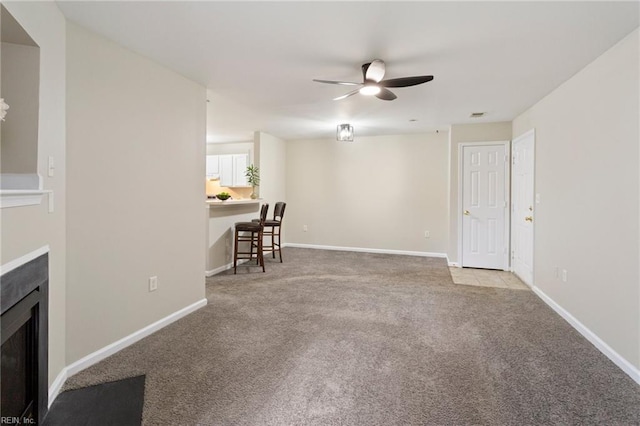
{"x":370,"y":90}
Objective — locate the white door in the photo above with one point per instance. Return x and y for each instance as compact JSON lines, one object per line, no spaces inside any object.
{"x":484,"y":206}
{"x":523,"y":206}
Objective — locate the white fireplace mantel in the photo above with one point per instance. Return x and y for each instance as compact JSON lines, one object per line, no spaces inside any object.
{"x":21,"y":189}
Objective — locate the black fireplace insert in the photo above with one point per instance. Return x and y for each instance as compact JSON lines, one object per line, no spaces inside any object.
{"x":24,"y":334}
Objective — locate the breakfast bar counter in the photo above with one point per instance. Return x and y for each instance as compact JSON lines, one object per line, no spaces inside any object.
{"x":221,"y":217}
{"x":220,"y":203}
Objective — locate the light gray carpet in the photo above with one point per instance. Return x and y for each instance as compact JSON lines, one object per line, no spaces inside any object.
{"x":341,"y":338}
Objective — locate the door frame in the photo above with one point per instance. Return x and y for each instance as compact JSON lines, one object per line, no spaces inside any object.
{"x":507,"y":197}
{"x":530,"y":133}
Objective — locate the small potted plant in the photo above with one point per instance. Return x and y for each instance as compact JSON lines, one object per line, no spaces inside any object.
{"x":253,"y":178}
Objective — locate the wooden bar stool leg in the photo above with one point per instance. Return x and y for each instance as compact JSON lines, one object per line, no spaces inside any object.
{"x":235,"y":251}
{"x":273,"y":244}
{"x":260,"y":250}
{"x":256,"y":243}
{"x":279,"y":246}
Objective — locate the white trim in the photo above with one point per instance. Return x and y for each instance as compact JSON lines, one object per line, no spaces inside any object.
{"x":367,"y":250}
{"x":617,"y":359}
{"x":16,"y":263}
{"x":19,"y":197}
{"x":114,"y":347}
{"x":223,"y":268}
{"x":117,"y":346}
{"x":507,"y":196}
{"x":56,"y":386}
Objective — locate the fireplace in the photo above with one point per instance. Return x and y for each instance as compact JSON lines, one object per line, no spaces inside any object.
{"x":24,"y":322}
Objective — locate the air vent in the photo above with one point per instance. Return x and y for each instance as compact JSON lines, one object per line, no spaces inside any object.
{"x":477,"y":114}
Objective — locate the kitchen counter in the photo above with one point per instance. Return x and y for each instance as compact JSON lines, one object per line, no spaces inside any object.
{"x":230,"y":202}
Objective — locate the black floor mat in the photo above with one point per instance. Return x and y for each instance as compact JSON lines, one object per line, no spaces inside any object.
{"x":116,"y":403}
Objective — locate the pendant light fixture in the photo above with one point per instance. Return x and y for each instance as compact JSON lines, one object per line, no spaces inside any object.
{"x":344,"y":132}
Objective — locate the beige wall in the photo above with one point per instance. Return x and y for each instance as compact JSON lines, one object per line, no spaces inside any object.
{"x":136,"y":156}
{"x":20,"y":85}
{"x":271,"y":159}
{"x":461,"y":133}
{"x":587,"y":175}
{"x":25,"y":229}
{"x":378,"y":192}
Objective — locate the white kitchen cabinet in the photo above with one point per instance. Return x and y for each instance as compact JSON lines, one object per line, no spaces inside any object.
{"x":213,"y":166}
{"x":226,"y":170}
{"x":240,"y":163}
{"x":232,"y":168}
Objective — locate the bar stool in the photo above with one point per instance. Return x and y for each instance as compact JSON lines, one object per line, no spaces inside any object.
{"x":250,"y":232}
{"x":273,"y":229}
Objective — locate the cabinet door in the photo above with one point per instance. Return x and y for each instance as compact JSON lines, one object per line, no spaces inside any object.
{"x":226,"y":170}
{"x":240,"y":162}
{"x":213,"y":166}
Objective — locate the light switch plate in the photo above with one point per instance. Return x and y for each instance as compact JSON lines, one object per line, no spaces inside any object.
{"x":50,"y":167}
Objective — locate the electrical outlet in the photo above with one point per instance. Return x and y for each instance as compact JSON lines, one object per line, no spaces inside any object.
{"x":305,"y":228}
{"x":153,"y":283}
{"x":427,"y":234}
{"x":564,"y":275}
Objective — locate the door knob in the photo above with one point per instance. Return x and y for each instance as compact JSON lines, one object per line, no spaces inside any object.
{"x":528,"y":219}
{"x":466,"y":213}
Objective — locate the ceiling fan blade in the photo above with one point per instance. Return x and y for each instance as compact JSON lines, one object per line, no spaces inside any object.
{"x":374,"y":71}
{"x":406,"y":81}
{"x":386,"y":95}
{"x":346,"y":95}
{"x":344,"y":83}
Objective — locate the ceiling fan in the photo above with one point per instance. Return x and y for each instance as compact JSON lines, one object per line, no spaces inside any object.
{"x":373,"y":83}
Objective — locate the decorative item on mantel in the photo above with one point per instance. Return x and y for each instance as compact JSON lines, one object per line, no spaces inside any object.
{"x":253,"y":178}
{"x":3,"y":109}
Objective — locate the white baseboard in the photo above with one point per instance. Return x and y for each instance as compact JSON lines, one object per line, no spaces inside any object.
{"x":367,"y":250}
{"x":222,"y":268}
{"x":617,"y":359}
{"x":218,"y":270}
{"x":114,"y":347}
{"x":56,"y":386}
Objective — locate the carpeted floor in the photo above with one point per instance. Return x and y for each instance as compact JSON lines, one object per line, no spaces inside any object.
{"x":343,"y":338}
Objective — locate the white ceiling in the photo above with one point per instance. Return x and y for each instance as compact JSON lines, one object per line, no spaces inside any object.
{"x":258,"y":59}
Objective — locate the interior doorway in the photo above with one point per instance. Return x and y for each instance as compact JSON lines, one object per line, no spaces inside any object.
{"x":484,"y":199}
{"x":523,"y":206}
